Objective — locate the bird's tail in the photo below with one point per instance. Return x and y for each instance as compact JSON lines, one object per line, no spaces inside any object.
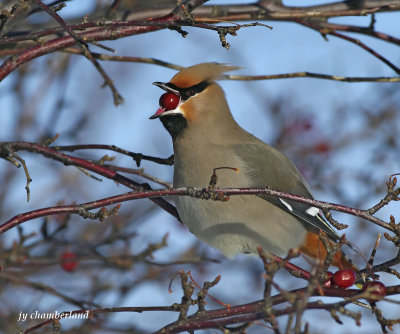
{"x":315,"y":248}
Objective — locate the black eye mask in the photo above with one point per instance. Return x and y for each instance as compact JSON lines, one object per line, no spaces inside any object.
{"x":185,"y":93}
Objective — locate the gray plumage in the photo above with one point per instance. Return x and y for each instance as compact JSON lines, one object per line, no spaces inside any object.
{"x":206,"y":136}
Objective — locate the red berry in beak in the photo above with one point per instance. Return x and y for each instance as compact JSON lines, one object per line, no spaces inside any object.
{"x":169,"y":101}
{"x":344,"y":278}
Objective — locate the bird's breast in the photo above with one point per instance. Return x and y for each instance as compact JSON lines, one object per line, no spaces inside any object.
{"x":240,"y":224}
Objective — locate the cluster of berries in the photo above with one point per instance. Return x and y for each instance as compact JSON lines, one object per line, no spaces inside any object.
{"x":345,"y":278}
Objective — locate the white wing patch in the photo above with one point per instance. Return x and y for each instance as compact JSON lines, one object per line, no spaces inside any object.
{"x":288,"y":206}
{"x":312,"y":211}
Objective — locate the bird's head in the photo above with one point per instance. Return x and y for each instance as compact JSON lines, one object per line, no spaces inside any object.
{"x":193,"y":98}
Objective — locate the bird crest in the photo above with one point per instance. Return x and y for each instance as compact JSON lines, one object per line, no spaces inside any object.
{"x":195,"y":74}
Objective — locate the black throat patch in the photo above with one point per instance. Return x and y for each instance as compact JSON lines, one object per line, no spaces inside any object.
{"x":174,"y":123}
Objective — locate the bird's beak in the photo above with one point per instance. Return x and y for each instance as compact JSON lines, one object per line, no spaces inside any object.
{"x":158,"y":113}
{"x":168,"y":88}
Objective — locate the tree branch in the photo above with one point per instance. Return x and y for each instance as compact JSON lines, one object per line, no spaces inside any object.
{"x":67,"y":160}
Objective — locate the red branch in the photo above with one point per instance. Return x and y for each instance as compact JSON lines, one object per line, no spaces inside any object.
{"x":13,"y":63}
{"x":256,"y":310}
{"x":144,"y":191}
{"x":231,"y":315}
{"x":156,"y":194}
{"x":109,"y":30}
{"x":68,"y":160}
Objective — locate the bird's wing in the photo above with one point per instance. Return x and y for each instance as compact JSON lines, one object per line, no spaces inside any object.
{"x":267,"y":167}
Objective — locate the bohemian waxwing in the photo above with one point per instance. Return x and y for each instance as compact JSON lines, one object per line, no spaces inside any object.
{"x":205,"y":136}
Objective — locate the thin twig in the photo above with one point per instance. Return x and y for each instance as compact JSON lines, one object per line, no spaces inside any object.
{"x":154,"y":194}
{"x":144,"y":60}
{"x":139,"y":172}
{"x":138,"y":157}
{"x":314,"y":25}
{"x":28,"y":178}
{"x":303,"y":74}
{"x":6,"y":149}
{"x":83,"y":46}
{"x":310,"y":75}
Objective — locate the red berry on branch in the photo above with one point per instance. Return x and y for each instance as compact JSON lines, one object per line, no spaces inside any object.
{"x":307,"y":124}
{"x":69,"y":261}
{"x":169,"y":101}
{"x":376,"y":289}
{"x":322,"y":147}
{"x":344,"y":278}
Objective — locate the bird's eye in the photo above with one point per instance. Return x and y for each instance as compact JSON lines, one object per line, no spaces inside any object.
{"x":191,"y":92}
{"x":169,"y":101}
